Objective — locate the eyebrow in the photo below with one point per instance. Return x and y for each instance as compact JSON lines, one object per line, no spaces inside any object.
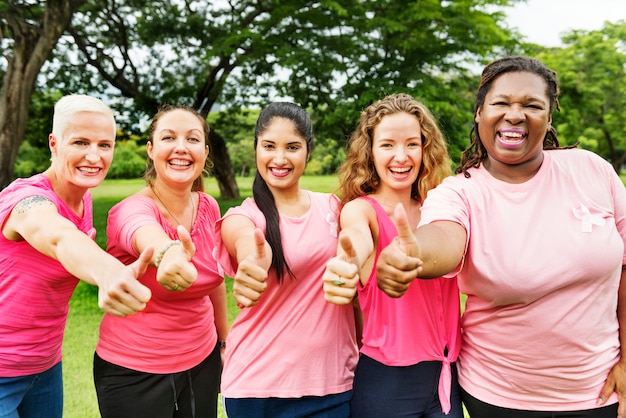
{"x":167,"y":130}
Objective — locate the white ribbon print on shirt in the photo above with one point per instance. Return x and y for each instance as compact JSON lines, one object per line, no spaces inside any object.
{"x":588,"y":220}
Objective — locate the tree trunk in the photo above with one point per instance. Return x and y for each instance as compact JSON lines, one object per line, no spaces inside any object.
{"x":32,"y":43}
{"x":222,"y":167}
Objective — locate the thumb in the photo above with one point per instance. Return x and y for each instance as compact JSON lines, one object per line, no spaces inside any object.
{"x":406,"y":236}
{"x":259,"y":243}
{"x":185,"y":239}
{"x":349,"y":253}
{"x":139,"y":266}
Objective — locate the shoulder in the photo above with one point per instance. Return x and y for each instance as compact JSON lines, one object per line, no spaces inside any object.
{"x":328,"y":200}
{"x":579,"y":160}
{"x":210,"y":201}
{"x":358,"y":208}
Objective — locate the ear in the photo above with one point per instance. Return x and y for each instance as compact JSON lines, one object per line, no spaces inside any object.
{"x":149,"y":149}
{"x":52,"y":144}
{"x":206,"y":150}
{"x":477,"y":115}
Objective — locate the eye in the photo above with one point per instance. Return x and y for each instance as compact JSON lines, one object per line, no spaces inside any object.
{"x":294,"y":147}
{"x":414,"y":145}
{"x":106,"y":145}
{"x":80,"y":143}
{"x":193,"y":139}
{"x":167,"y":138}
{"x":268,"y":146}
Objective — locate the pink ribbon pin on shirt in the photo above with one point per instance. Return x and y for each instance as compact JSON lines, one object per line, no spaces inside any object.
{"x":588,"y":220}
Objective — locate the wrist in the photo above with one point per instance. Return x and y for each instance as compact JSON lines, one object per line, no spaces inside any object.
{"x":160,"y":254}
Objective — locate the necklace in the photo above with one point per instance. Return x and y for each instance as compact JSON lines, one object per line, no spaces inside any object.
{"x":193,"y":209}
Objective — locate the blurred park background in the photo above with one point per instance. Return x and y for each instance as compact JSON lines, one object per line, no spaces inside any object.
{"x":228,"y":58}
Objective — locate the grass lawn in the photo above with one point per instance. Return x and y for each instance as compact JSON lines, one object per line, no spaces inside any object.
{"x":81,"y":334}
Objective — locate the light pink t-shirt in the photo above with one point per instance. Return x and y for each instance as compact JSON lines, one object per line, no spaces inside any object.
{"x":34,"y":289}
{"x":176,"y":331}
{"x":292,"y":343}
{"x":541,"y":271}
{"x":422,"y":325}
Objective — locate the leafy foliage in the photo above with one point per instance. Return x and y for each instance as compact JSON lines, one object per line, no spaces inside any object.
{"x":592,"y":73}
{"x":332,"y":56}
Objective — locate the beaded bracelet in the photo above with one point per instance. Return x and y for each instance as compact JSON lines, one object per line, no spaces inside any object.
{"x":159,"y":256}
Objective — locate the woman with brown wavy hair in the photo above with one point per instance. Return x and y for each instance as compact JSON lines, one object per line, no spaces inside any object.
{"x":396,"y":155}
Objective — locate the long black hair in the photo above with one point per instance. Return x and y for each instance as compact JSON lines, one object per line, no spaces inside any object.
{"x":262,"y":194}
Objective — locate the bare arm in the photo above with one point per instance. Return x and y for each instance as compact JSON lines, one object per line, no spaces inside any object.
{"x":616,"y":381}
{"x":37,"y":221}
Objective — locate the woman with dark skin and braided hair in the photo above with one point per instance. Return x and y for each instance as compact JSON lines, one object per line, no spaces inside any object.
{"x":535,"y":233}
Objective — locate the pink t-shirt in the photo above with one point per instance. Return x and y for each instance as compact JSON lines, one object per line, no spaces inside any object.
{"x":176,"y":331}
{"x":541,"y":271}
{"x":420,"y":326}
{"x":292,"y":343}
{"x":34,"y":289}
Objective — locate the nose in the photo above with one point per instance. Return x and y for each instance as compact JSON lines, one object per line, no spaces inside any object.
{"x":181,"y":145}
{"x":280,"y":157}
{"x":515,"y":113}
{"x":401,"y":154}
{"x":93,"y":154}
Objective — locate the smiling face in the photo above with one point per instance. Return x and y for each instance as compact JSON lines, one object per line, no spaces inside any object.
{"x":512,"y":124}
{"x":397,"y":150}
{"x":83,"y":154}
{"x":281,"y":155}
{"x":178,"y":148}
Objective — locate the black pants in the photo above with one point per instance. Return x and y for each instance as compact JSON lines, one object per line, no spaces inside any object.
{"x":126,"y":393}
{"x":480,"y":409}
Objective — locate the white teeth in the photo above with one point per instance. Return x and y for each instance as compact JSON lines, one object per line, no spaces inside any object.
{"x":511,"y":135}
{"x":400,"y":170}
{"x":181,"y":163}
{"x":89,"y":169}
{"x":279,"y":170}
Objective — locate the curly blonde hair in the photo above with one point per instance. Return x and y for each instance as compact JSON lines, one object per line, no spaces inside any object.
{"x":358,"y":175}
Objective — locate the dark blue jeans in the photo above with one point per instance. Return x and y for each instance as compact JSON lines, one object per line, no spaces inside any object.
{"x":33,"y":396}
{"x":407,"y":391}
{"x":329,"y":406}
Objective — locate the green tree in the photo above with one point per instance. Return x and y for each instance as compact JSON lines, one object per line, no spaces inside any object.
{"x":592,"y":73}
{"x":334,"y":57}
{"x":29,"y":30}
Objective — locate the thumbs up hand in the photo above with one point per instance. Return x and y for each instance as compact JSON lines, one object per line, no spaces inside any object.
{"x":341,"y":275}
{"x":176,"y":272}
{"x":250,"y":279}
{"x":398,"y":264}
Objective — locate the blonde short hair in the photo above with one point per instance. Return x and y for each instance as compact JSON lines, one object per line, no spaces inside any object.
{"x":72,"y":104}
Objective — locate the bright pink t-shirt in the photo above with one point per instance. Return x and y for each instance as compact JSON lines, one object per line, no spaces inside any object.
{"x":541,"y":271}
{"x":34,"y":289}
{"x":176,"y":331}
{"x":421,"y":325}
{"x":292,"y":343}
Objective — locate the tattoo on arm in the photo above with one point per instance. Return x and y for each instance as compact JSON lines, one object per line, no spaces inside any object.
{"x":30,"y":202}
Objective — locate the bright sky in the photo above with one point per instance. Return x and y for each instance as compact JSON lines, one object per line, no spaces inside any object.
{"x":543,"y":21}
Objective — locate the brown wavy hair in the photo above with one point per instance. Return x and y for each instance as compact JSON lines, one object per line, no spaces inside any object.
{"x":476,"y":152}
{"x":358,"y":175}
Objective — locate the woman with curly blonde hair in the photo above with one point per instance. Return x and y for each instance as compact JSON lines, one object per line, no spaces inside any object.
{"x":396,"y":155}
